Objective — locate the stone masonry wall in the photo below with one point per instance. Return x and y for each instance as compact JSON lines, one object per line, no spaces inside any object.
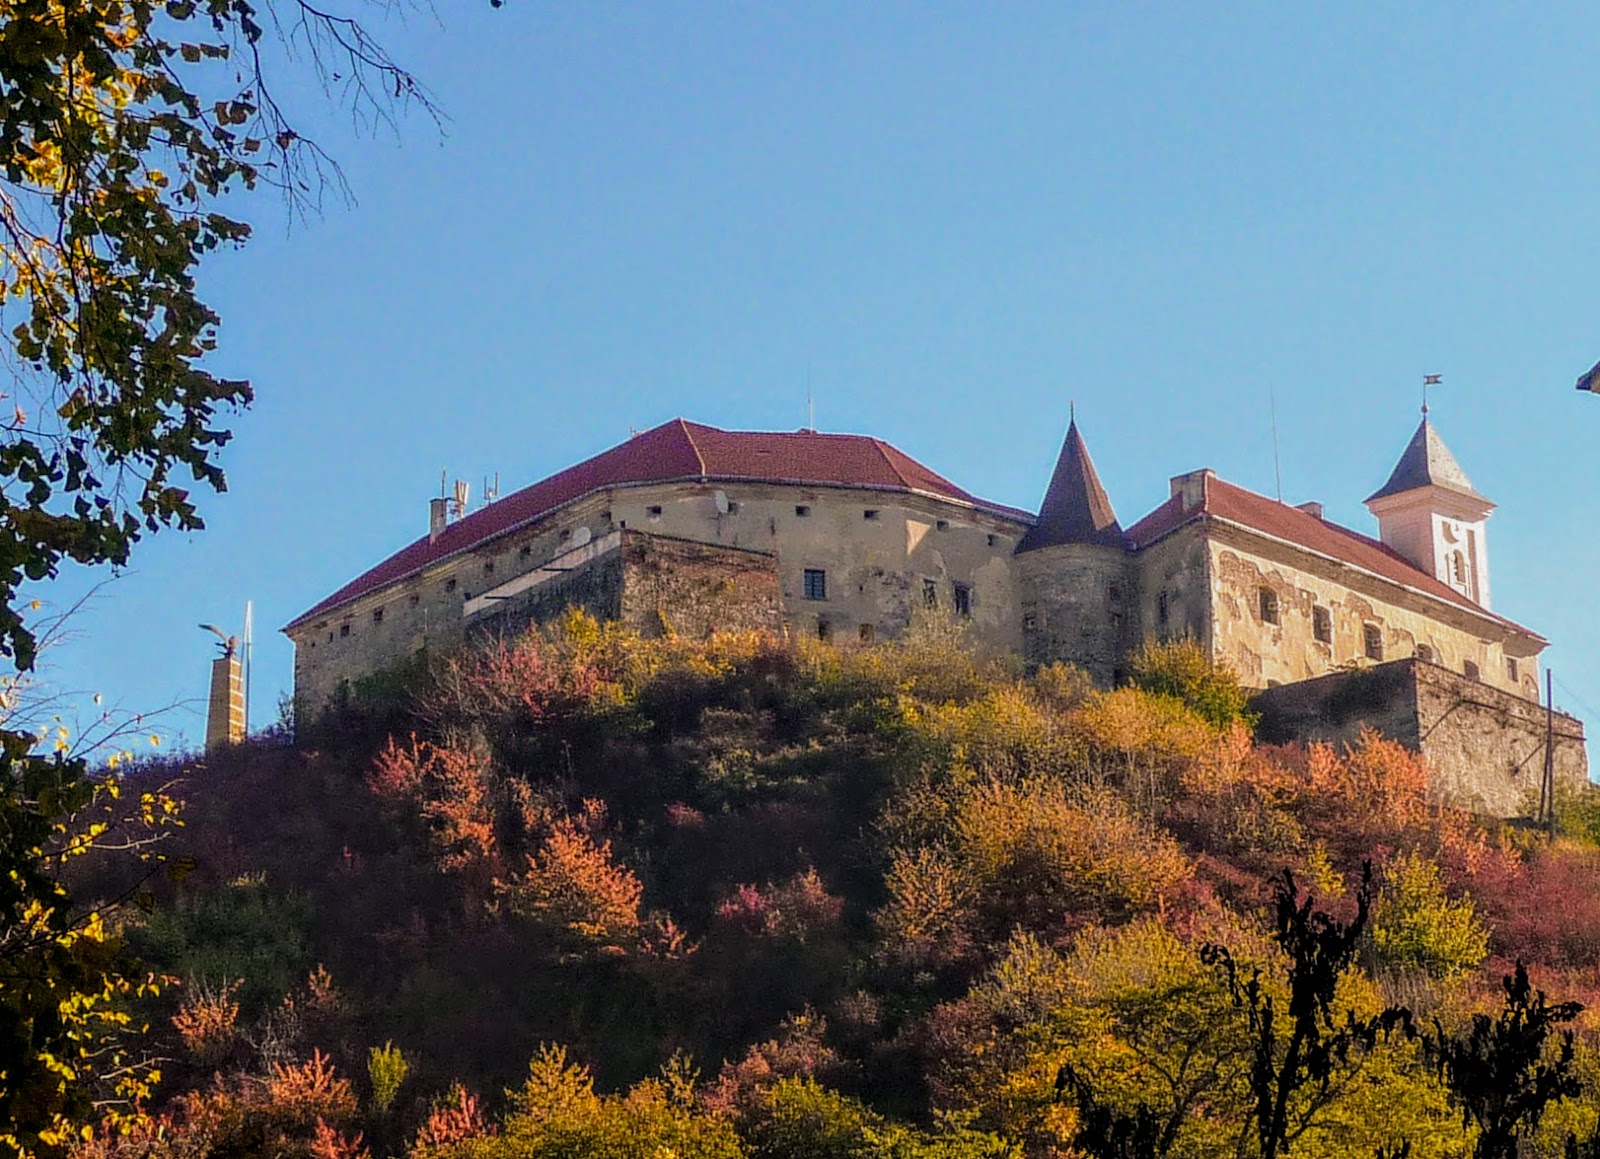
{"x":1485,"y":746}
{"x":694,"y":589}
{"x":1075,"y":600}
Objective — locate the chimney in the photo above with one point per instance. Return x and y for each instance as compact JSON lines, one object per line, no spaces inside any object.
{"x":438,"y":516}
{"x":1313,"y":508}
{"x":1192,"y":487}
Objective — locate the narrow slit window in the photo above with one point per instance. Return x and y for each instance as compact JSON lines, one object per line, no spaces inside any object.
{"x":961,"y":594}
{"x":815,"y":584}
{"x":1512,"y":669}
{"x":930,"y":594}
{"x":1163,"y":612}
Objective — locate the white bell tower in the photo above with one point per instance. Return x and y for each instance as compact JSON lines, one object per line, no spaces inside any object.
{"x":1429,"y":513}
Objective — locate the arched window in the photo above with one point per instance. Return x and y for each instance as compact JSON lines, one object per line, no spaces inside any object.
{"x":1458,"y":568}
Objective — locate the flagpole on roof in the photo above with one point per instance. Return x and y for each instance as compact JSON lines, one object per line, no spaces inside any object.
{"x":1427,"y":381}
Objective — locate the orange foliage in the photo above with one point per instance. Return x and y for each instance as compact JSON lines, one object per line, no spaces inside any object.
{"x":450,"y":790}
{"x":327,"y":1143}
{"x":207,"y":1020}
{"x":798,"y":1051}
{"x":310,"y":1089}
{"x":455,"y":1118}
{"x":573,"y":884}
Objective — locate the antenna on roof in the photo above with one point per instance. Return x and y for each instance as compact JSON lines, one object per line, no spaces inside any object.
{"x":1277,"y":469}
{"x":491,"y":488}
{"x":811,"y":407}
{"x":443,"y":475}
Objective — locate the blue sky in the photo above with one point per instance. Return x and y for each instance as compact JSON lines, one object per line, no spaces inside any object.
{"x":955,"y":218}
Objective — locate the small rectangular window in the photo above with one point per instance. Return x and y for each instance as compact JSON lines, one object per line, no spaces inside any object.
{"x":867,"y":633}
{"x":1425,"y":653}
{"x":942,"y":525}
{"x":962,"y":598}
{"x":344,"y":629}
{"x":450,"y":584}
{"x":801,"y":510}
{"x":488,"y":567}
{"x":1470,"y":670}
{"x":653,"y":511}
{"x":1511,"y":668}
{"x":870,"y":513}
{"x":1372,"y":641}
{"x":930,"y":594}
{"x":824,"y":630}
{"x":527,"y":550}
{"x":1030,"y":622}
{"x":414,"y":599}
{"x":1114,"y":593}
{"x":377,"y":615}
{"x":1268,"y":600}
{"x":733,"y":507}
{"x":816,"y":584}
{"x":1322,"y":625}
{"x":992,"y":539}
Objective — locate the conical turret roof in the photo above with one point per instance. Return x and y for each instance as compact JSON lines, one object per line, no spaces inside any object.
{"x":1075,"y":508}
{"x":1427,"y":462}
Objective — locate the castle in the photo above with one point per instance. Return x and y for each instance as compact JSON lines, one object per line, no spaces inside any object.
{"x":688,"y":528}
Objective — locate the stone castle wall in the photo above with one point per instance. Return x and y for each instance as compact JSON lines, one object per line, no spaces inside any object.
{"x":1075,"y":600}
{"x":1485,"y":746}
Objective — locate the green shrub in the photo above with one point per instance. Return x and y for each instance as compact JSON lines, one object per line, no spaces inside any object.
{"x":387,"y":1069}
{"x":1416,"y":925}
{"x":1180,"y":669}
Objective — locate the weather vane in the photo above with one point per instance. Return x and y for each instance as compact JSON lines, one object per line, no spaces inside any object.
{"x":1427,"y":381}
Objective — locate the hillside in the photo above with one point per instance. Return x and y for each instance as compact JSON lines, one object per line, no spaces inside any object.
{"x":778,"y":899}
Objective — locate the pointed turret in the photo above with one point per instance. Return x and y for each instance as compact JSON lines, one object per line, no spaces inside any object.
{"x":1075,"y":508}
{"x":1427,"y":462}
{"x":1430,"y":513}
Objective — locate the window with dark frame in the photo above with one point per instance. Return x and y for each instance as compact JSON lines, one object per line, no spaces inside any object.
{"x":1322,"y":625}
{"x":870,"y":513}
{"x":1512,"y":670}
{"x":1267,"y":600}
{"x":867,"y":633}
{"x":344,"y":629}
{"x":961,"y":595}
{"x":801,"y":510}
{"x":1469,"y":670}
{"x":815,"y":584}
{"x":377,"y":615}
{"x":1372,"y":641}
{"x":1163,"y":613}
{"x":942,"y":525}
{"x":930,"y":594}
{"x":450,"y":584}
{"x":653,"y":511}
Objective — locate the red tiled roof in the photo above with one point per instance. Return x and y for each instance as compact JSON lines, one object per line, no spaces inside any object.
{"x":1224,"y":500}
{"x":676,"y":450}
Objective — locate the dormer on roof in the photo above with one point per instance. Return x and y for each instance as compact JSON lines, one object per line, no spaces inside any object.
{"x":1075,"y":508}
{"x":1430,"y":513}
